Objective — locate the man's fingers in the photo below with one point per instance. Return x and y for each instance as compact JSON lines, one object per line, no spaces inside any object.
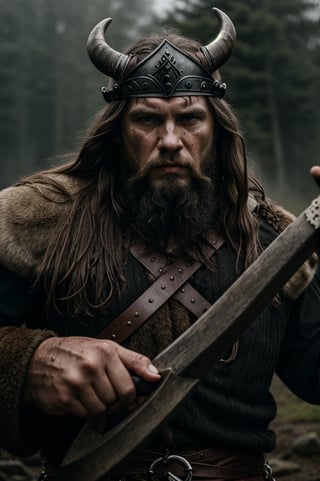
{"x":92,"y":405}
{"x":122,"y":383}
{"x":104,"y":390}
{"x":315,"y":172}
{"x":139,"y":364}
{"x":86,"y":376}
{"x":119,"y":370}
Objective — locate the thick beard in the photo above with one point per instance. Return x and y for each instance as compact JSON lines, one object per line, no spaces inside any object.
{"x":182,"y":213}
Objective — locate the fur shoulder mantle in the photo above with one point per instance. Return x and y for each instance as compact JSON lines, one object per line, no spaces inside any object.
{"x":279,"y":218}
{"x":28,"y":214}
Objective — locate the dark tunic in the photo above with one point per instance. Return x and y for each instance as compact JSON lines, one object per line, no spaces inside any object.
{"x":233,"y":406}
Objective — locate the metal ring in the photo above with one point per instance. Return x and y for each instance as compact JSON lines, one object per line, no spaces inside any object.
{"x":166,"y":459}
{"x":232,"y":355}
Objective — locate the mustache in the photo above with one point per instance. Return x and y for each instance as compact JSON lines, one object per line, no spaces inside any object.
{"x":144,"y":171}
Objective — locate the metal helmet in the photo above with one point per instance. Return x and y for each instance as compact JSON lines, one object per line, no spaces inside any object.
{"x":167,"y":71}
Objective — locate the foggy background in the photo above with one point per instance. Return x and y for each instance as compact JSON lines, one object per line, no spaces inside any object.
{"x":50,"y":91}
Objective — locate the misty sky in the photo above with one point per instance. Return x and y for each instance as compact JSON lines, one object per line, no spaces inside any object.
{"x":162,"y":4}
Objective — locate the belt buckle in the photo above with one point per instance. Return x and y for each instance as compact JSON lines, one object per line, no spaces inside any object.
{"x":167,"y":459}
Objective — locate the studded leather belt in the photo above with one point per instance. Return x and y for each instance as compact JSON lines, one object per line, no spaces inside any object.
{"x":187,"y":465}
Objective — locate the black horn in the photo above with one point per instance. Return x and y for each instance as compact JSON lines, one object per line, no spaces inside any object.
{"x":219,"y":50}
{"x":103,"y":57}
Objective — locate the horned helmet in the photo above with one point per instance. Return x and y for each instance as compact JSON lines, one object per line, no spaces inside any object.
{"x":167,"y":71}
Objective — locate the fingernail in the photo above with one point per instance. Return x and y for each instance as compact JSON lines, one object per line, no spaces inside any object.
{"x":153,"y":369}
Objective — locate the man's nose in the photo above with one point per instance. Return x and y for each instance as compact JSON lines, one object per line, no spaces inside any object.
{"x":170,"y":139}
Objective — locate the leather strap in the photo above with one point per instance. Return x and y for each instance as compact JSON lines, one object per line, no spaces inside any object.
{"x":155,"y":264}
{"x":170,"y":280}
{"x":249,"y":466}
{"x":152,"y":299}
{"x":199,"y":471}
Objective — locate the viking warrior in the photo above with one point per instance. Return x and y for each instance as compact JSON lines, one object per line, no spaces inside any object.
{"x":88,"y":251}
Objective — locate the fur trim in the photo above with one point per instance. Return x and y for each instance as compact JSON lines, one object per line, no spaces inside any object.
{"x":28,"y":214}
{"x":279,"y":218}
{"x":17,"y":345}
{"x":163,"y":327}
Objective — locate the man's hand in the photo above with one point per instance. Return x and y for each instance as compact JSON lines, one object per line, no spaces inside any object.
{"x":83,"y":376}
{"x":315,"y":172}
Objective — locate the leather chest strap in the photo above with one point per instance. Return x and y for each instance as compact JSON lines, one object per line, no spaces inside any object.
{"x":169,"y":281}
{"x":155,"y":263}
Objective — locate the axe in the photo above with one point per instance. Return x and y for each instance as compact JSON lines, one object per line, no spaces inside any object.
{"x":182,"y":364}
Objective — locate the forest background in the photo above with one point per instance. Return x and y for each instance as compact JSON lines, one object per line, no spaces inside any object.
{"x":50,"y":91}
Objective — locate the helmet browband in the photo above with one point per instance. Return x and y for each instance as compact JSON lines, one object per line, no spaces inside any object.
{"x":166,"y":72}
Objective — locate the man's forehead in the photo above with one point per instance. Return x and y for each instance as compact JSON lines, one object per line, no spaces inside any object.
{"x":183,"y":102}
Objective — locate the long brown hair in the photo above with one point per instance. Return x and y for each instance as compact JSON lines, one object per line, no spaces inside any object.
{"x":83,"y":268}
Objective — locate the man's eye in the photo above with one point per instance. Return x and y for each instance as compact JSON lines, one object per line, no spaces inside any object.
{"x":190,"y":118}
{"x":147,"y":119}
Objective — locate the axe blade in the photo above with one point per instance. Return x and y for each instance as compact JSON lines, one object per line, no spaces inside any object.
{"x":92,"y":456}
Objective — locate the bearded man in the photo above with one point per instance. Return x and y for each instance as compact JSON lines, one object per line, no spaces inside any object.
{"x":161,"y":177}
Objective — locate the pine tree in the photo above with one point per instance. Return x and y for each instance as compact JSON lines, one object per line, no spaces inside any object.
{"x":271,"y":77}
{"x":50,"y":89}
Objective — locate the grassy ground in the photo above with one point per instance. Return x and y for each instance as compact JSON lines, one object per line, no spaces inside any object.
{"x":294,"y":418}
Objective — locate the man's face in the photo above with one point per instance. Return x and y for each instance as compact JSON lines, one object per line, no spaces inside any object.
{"x":167,"y":141}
